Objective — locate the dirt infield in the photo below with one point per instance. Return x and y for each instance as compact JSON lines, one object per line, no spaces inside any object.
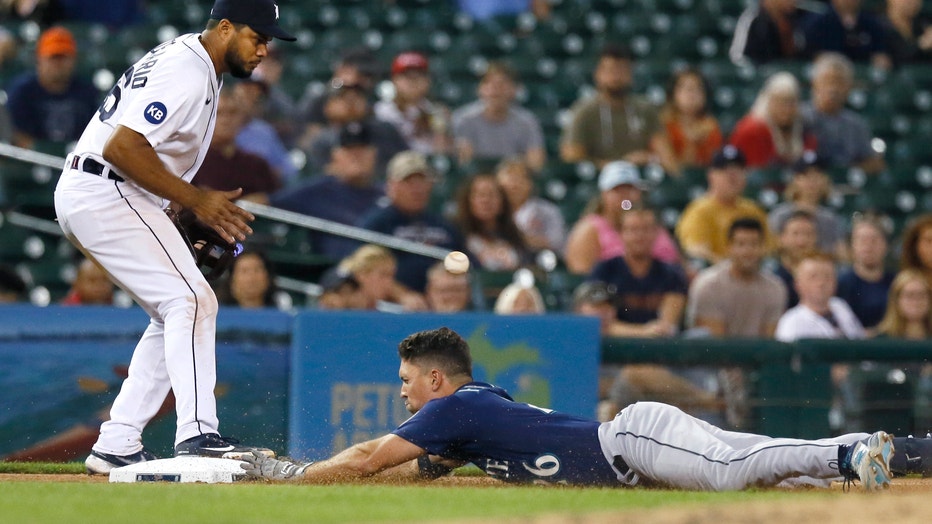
{"x":906,"y":502}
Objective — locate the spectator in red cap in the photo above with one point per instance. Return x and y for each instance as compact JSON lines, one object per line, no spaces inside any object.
{"x":51,"y":104}
{"x":423,"y":123}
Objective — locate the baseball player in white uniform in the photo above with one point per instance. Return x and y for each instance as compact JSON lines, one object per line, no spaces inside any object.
{"x":135,"y":157}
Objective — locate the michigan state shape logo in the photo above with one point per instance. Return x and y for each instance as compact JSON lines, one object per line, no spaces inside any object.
{"x":156,"y":112}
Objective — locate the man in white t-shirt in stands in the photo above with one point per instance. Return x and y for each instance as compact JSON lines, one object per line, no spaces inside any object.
{"x":820,"y":314}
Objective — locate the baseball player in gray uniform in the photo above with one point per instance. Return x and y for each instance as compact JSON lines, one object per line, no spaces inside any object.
{"x":137,"y":155}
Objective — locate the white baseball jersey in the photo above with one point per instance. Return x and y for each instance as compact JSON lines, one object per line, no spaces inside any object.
{"x":170,"y":97}
{"x":801,"y":322}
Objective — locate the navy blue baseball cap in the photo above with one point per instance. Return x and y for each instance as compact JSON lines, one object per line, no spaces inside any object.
{"x":260,"y":15}
{"x":354,"y":134}
{"x":809,"y":159}
{"x":728,"y":155}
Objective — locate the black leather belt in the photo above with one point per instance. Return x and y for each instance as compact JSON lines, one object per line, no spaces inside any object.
{"x":621,"y":465}
{"x":89,"y":165}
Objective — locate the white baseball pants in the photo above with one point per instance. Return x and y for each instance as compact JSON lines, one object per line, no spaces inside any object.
{"x":659,"y":442}
{"x":129,"y":234}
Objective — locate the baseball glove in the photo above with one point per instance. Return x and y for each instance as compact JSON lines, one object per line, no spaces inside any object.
{"x":213,"y":253}
{"x":260,"y":466}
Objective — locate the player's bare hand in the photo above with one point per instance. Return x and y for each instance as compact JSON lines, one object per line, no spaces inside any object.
{"x":216,"y":209}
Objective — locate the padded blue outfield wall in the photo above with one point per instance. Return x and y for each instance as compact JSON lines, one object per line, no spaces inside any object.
{"x":62,"y":367}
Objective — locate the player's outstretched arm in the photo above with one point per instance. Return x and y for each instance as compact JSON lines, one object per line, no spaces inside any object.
{"x":379,"y":456}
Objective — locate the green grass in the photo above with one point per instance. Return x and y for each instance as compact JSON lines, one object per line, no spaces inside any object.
{"x":27,"y":501}
{"x":42,"y":467}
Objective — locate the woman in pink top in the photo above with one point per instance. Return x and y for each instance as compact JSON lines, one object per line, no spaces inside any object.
{"x":595,"y":236}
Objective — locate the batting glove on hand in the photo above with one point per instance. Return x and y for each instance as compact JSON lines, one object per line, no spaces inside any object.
{"x":260,"y":466}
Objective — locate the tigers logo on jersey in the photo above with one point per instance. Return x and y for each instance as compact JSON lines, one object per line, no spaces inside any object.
{"x":156,"y":112}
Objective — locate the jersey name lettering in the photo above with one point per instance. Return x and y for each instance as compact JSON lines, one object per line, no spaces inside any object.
{"x":140,"y":75}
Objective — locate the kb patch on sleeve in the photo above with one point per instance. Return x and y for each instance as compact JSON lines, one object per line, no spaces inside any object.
{"x":156,"y":112}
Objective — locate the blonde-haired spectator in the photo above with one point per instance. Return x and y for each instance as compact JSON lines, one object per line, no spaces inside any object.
{"x":520,"y":299}
{"x":916,"y":251}
{"x":909,"y":307}
{"x":372,"y":269}
{"x":771,"y":134}
{"x":909,"y":317}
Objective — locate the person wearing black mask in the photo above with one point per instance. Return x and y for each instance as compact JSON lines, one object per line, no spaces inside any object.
{"x":614,"y":124}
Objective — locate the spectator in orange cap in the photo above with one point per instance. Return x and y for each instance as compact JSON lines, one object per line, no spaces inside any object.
{"x":51,"y":104}
{"x":423,"y":123}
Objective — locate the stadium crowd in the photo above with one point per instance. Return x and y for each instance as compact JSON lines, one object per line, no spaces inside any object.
{"x":688,"y":211}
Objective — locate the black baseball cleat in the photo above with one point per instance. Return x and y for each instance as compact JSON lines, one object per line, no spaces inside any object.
{"x":913,"y":456}
{"x":98,"y":463}
{"x":213,"y":445}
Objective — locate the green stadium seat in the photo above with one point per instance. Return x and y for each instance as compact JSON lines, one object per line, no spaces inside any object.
{"x":12,"y":242}
{"x":695,"y":176}
{"x":408,"y":40}
{"x":772,"y":178}
{"x":674,"y":192}
{"x":896,"y":96}
{"x":542,"y":96}
{"x":557,"y":289}
{"x":880,"y":194}
{"x":609,"y":7}
{"x":913,"y":149}
{"x":48,"y":271}
{"x":488,"y":285}
{"x":557,"y":170}
{"x":459,"y":57}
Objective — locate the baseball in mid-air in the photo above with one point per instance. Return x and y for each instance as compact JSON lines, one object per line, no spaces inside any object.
{"x":456,"y":262}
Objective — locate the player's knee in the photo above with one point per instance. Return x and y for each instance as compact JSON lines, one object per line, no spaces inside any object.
{"x":200,"y":304}
{"x":207,"y":305}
